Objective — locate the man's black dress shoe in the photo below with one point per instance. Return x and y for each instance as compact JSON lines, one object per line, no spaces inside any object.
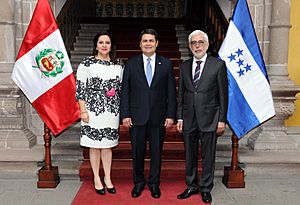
{"x":206,"y":197}
{"x":155,"y":192}
{"x":187,"y":193}
{"x":137,"y":190}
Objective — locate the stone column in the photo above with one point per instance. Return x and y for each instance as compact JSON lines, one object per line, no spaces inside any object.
{"x":13,"y":132}
{"x":273,"y":134}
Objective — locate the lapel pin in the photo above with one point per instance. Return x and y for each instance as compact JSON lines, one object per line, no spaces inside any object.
{"x":159,"y":63}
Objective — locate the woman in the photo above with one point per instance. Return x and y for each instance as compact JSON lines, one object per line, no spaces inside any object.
{"x":98,"y":89}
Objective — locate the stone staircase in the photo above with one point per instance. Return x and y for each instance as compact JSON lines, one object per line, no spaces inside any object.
{"x":66,"y":151}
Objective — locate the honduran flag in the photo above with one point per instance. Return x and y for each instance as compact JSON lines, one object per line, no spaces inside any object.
{"x":250,"y":101}
{"x":43,"y":71}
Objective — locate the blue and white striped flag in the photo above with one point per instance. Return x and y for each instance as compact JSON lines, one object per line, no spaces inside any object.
{"x":250,"y":101}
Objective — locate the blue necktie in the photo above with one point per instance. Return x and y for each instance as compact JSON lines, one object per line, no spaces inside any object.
{"x":197,"y":73}
{"x":149,"y":71}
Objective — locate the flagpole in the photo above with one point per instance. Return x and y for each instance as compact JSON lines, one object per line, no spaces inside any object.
{"x":48,"y":174}
{"x":234,"y":176}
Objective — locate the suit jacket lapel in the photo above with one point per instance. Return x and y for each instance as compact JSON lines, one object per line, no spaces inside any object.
{"x":141,"y":71}
{"x":188,"y":73}
{"x":204,"y":71}
{"x":157,"y":69}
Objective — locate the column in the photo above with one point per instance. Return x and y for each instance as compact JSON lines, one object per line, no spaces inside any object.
{"x":13,"y":132}
{"x":272,"y":136}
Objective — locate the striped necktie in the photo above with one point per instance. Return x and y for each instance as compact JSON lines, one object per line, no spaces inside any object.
{"x":197,"y":73}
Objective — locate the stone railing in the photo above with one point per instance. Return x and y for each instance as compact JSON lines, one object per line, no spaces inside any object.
{"x":141,"y":8}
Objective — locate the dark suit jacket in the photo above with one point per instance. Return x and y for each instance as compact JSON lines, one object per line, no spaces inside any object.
{"x":209,"y":100}
{"x":143,"y":103}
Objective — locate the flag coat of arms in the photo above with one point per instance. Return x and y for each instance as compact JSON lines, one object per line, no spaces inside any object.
{"x":43,"y":71}
{"x":250,"y":101}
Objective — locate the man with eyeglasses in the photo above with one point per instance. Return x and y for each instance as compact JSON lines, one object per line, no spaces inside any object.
{"x":201,"y":113}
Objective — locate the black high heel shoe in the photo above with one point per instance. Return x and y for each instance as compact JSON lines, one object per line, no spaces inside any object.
{"x":100,"y":191}
{"x":111,"y":190}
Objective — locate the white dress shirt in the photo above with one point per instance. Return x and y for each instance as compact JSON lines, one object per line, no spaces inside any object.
{"x":194,"y":65}
{"x":152,"y":62}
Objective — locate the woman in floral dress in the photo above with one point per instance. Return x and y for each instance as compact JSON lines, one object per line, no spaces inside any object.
{"x":98,"y":89}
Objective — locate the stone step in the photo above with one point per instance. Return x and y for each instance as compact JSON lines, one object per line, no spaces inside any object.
{"x":124,"y":33}
{"x":125,"y":44}
{"x":182,"y":34}
{"x":93,"y":27}
{"x":136,"y":29}
{"x":67,"y":169}
{"x":180,"y":27}
{"x":18,"y":170}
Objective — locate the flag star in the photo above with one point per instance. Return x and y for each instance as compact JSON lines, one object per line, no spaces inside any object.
{"x":241,"y":72}
{"x":231,"y":57}
{"x":239,"y":52}
{"x":240,"y":62}
{"x":247,"y":67}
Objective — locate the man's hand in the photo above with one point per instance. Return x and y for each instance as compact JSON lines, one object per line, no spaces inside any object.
{"x":179,"y":126}
{"x":169,"y":122}
{"x":127,"y":122}
{"x":221,"y":128}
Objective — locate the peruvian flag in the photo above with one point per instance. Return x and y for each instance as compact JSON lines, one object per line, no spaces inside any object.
{"x":44,"y":73}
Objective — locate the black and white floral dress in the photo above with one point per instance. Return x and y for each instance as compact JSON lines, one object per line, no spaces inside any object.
{"x":99,"y":85}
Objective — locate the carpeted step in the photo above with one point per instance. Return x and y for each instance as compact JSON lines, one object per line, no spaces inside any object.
{"x":171,"y":169}
{"x":171,"y":151}
{"x":123,"y":169}
{"x":171,"y":134}
{"x":73,"y":132}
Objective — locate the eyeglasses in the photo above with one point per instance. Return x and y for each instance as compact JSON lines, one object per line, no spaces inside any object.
{"x":200,"y":43}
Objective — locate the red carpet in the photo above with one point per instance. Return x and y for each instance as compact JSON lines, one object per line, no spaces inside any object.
{"x":169,"y":189}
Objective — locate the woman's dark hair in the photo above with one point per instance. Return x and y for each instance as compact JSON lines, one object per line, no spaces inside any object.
{"x":112,"y":53}
{"x":149,"y":31}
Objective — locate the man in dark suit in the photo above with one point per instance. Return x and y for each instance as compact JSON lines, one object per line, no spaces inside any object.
{"x":148,"y":107}
{"x":201,"y":113}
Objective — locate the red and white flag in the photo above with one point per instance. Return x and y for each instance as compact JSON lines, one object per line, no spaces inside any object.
{"x":44,"y":73}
